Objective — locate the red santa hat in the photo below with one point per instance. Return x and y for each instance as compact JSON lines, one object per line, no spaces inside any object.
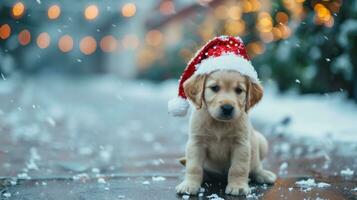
{"x":221,"y":53}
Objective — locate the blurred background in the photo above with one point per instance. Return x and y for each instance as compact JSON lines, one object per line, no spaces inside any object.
{"x":310,"y":41}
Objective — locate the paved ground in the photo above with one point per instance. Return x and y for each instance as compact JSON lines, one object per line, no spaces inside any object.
{"x":99,"y":138}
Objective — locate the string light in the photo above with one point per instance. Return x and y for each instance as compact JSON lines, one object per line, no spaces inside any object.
{"x":24,"y":37}
{"x":5,"y":31}
{"x":128,"y":10}
{"x":91,"y":12}
{"x":18,"y":10}
{"x":167,"y":7}
{"x":65,"y":43}
{"x":130,"y":41}
{"x":43,"y":40}
{"x":154,"y":37}
{"x":88,"y":45}
{"x":108,"y":43}
{"x":54,"y":12}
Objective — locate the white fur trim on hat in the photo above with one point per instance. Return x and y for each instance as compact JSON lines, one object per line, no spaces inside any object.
{"x":178,"y":107}
{"x":229,"y":61}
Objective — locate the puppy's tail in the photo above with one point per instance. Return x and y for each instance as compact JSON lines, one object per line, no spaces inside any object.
{"x":182,"y":160}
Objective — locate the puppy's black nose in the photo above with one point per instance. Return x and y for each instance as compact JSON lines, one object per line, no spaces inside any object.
{"x":227,"y":109}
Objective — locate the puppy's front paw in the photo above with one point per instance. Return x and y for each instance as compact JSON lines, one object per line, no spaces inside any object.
{"x":237,"y":189}
{"x":265,"y":176}
{"x":187,"y":187}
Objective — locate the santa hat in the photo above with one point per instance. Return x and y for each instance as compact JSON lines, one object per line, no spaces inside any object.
{"x":221,"y":53}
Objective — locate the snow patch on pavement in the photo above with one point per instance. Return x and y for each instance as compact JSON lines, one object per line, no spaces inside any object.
{"x":312,"y":115}
{"x":310,"y":183}
{"x":347,"y":172}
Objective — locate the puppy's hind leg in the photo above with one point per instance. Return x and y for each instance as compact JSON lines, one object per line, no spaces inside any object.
{"x":259,"y":174}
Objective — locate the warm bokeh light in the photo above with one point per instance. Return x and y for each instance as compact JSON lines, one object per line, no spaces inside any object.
{"x":147,"y":56}
{"x":323,"y":15}
{"x":282,"y":17}
{"x":251,"y":6}
{"x":88,"y":45}
{"x":43,"y":40}
{"x":235,"y":12}
{"x":277,"y":33}
{"x":234,"y":27}
{"x":65,"y":43}
{"x":24,"y":37}
{"x":91,"y":12}
{"x":154,"y":37}
{"x":54,"y":12}
{"x":128,"y":10}
{"x":108,"y":43}
{"x":221,"y":12}
{"x":255,"y":48}
{"x":167,"y":7}
{"x":18,"y":9}
{"x":264,"y":23}
{"x":130,"y":41}
{"x":266,"y":36}
{"x":5,"y":31}
{"x":285,"y":31}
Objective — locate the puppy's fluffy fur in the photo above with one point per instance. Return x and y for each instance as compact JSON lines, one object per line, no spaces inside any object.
{"x":222,"y":143}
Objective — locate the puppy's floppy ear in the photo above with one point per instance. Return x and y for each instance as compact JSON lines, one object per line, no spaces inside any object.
{"x":194,"y":88}
{"x":254,"y":94}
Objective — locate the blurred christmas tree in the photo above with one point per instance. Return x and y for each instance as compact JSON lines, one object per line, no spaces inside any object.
{"x":301,"y":44}
{"x":318,"y":55}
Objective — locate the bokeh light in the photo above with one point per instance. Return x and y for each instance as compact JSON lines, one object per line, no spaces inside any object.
{"x":282,"y":17}
{"x":221,"y":12}
{"x":43,"y":40}
{"x":154,"y":38}
{"x":18,"y":10}
{"x":88,"y":45}
{"x":65,"y":43}
{"x":91,"y":12}
{"x":235,"y":12}
{"x":54,"y":12}
{"x":255,"y":48}
{"x":128,"y":10}
{"x":234,"y":27}
{"x":167,"y":7}
{"x":24,"y":37}
{"x":5,"y":31}
{"x":264,"y":23}
{"x":130,"y":41}
{"x":108,"y":43}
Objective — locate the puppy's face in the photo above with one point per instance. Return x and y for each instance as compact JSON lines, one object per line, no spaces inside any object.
{"x":225,"y":94}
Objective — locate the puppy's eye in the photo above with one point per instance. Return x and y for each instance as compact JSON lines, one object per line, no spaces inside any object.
{"x":215,"y":88}
{"x":238,"y":90}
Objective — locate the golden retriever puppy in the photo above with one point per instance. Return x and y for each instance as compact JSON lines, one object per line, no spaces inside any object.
{"x":221,"y":137}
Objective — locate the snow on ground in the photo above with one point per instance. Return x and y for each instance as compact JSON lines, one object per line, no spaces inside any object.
{"x":312,"y":115}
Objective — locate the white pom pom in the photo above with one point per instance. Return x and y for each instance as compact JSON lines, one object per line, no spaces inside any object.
{"x":178,"y":107}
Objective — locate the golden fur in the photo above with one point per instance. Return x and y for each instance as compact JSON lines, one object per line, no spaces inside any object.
{"x":219,"y":143}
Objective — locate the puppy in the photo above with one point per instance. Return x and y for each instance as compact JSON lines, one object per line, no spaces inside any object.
{"x":221,"y":137}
